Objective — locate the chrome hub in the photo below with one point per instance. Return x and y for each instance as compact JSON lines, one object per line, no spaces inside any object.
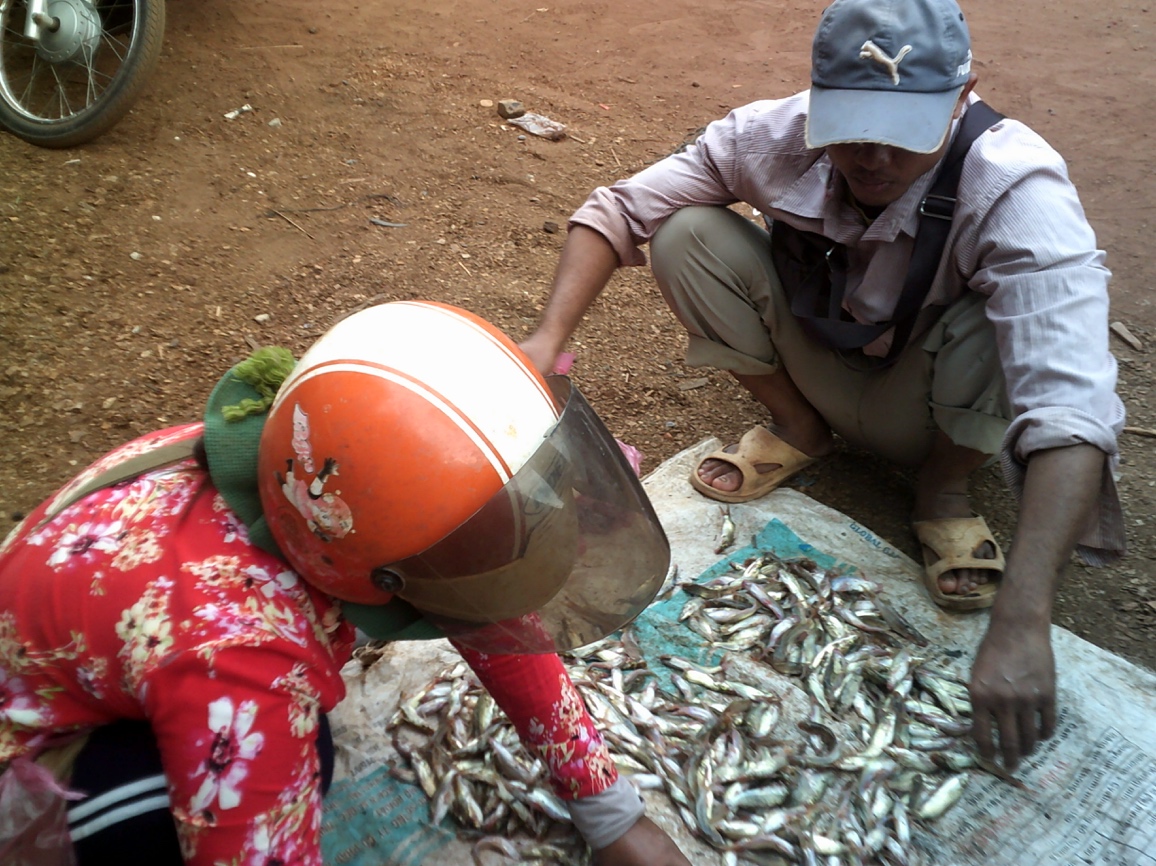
{"x":76,"y":37}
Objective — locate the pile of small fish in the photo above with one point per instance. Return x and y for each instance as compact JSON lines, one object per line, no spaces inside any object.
{"x":468,"y":760}
{"x":824,"y":732}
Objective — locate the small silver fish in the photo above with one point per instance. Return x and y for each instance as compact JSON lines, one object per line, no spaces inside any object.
{"x":727,"y":536}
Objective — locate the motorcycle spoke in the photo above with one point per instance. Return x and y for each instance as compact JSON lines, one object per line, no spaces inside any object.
{"x":114,"y":45}
{"x":26,"y":96}
{"x":65,"y":107}
{"x":91,"y":93}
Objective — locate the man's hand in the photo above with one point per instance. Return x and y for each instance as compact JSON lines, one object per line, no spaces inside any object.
{"x":644,"y":844}
{"x":1013,"y":691}
{"x":541,"y":351}
{"x":1013,"y":681}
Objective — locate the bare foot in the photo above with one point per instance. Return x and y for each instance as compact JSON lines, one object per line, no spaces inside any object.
{"x":727,"y":477}
{"x":936,"y":506}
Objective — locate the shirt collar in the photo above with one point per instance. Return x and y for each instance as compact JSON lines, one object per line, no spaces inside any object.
{"x":820,"y":194}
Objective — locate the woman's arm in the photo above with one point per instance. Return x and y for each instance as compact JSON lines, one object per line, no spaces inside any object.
{"x":550,"y":716}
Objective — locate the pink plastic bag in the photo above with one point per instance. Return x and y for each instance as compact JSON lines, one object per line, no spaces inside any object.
{"x":34,"y":817}
{"x":633,"y":456}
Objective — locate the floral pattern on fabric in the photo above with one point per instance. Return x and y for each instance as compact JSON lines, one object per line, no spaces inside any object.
{"x":230,"y":747}
{"x":277,"y":835}
{"x":566,"y":738}
{"x":228,"y":655}
{"x":303,"y":709}
{"x":147,"y":634}
{"x":226,"y":652}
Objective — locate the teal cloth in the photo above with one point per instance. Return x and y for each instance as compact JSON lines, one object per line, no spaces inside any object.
{"x":657,"y":629}
{"x":231,"y":448}
{"x":398,"y":620}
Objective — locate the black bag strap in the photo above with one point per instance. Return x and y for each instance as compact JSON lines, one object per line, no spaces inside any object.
{"x":937,"y":210}
{"x":809,"y":264}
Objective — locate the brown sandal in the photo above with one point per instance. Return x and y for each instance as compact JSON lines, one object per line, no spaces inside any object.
{"x":951,"y":543}
{"x":758,"y":445}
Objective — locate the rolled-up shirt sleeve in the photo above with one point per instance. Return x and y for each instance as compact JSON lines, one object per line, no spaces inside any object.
{"x":1035,"y":256}
{"x":750,"y":155}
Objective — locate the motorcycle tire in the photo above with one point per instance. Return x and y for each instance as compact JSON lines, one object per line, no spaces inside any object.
{"x":78,"y":80}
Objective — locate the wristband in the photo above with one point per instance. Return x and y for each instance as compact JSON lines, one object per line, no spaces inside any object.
{"x":604,"y":817}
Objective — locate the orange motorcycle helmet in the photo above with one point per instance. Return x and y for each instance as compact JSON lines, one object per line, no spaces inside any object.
{"x":415,"y":452}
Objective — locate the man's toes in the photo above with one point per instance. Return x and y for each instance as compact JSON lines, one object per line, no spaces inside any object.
{"x":728,"y":482}
{"x":721,"y":475}
{"x":963,"y":580}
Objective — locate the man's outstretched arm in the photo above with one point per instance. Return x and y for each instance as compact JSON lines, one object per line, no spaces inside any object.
{"x":1013,"y":682}
{"x":587,"y":263}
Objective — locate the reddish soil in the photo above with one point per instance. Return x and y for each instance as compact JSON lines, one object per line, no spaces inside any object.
{"x":132,"y":268}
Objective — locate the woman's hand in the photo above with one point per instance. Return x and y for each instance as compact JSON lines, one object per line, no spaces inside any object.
{"x":644,"y":844}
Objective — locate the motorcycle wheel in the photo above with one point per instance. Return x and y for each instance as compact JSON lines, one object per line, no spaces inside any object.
{"x":77,"y":81}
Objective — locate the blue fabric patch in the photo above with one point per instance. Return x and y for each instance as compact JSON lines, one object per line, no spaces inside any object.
{"x":657,"y":629}
{"x":375,"y":819}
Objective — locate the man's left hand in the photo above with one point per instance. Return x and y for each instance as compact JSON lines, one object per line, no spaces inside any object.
{"x":1013,"y":692}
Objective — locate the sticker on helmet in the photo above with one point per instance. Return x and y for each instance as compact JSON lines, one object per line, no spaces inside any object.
{"x":301,"y":445}
{"x":326,"y":514}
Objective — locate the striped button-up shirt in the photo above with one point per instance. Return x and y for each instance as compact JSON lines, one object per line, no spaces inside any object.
{"x":1019,"y":236}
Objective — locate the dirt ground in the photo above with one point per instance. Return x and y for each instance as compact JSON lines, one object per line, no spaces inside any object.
{"x":133,"y":270}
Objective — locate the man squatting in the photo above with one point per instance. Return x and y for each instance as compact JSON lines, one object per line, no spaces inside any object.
{"x":1004,"y":351}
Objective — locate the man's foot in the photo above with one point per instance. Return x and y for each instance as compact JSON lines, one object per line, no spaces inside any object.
{"x":954,"y":504}
{"x":727,"y":477}
{"x":941,"y":494}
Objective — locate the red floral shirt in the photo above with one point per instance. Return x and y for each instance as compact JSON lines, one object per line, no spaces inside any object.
{"x":145,"y":600}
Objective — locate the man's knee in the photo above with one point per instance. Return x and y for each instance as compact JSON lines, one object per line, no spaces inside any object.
{"x":967,"y":368}
{"x":692,"y":229}
{"x":713,"y":269}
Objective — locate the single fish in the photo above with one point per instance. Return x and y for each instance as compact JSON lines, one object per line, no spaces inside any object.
{"x":727,"y":535}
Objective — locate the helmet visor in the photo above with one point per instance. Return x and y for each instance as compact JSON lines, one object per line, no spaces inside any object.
{"x":567,"y":552}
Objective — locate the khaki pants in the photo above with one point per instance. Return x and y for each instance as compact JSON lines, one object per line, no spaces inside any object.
{"x":714,"y":269}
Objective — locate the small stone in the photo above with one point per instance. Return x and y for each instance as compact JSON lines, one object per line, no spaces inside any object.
{"x":486,"y":103}
{"x":275,"y":122}
{"x":109,"y":403}
{"x":1121,"y":331}
{"x":135,"y":256}
{"x":550,"y":227}
{"x":508,"y":108}
{"x":262,"y":318}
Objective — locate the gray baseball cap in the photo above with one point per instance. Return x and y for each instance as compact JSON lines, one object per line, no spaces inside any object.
{"x":887,"y":71}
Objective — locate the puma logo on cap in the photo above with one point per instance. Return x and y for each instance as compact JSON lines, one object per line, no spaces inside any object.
{"x":871,"y":51}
